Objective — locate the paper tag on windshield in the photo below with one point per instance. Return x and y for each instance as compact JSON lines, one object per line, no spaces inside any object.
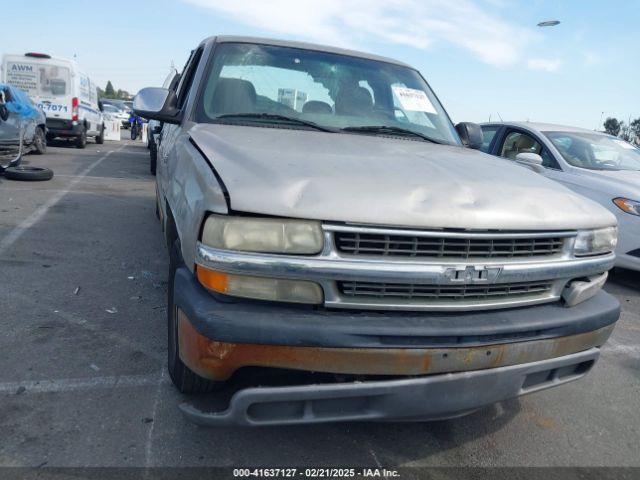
{"x":413,"y":100}
{"x":624,"y":144}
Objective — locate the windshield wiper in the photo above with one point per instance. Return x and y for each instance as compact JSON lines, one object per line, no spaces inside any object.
{"x":391,"y":130}
{"x":278,"y":118}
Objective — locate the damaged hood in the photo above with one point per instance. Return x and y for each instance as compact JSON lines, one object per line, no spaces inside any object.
{"x":386,"y":181}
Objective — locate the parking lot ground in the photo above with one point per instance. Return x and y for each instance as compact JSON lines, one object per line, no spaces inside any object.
{"x":82,"y":353}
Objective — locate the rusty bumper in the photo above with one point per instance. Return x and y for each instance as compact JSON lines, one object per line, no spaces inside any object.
{"x":219,"y":360}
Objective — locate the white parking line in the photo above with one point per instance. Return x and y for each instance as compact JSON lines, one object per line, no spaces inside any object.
{"x":35,"y":217}
{"x":73,"y":384}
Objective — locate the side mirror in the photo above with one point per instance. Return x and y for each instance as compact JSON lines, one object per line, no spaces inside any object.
{"x":157,"y":104}
{"x":470,"y":134}
{"x":530,"y":160}
{"x":100,"y":106}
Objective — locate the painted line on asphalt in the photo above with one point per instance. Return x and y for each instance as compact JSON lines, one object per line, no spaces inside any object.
{"x":73,"y":384}
{"x":148,"y":451}
{"x":41,"y":211}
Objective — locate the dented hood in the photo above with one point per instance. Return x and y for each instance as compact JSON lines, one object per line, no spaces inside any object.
{"x":386,"y":181}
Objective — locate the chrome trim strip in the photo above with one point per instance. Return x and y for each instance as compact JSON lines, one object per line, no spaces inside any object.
{"x":321,"y":267}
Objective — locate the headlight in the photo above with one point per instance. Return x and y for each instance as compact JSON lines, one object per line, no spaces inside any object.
{"x":261,"y":288}
{"x":595,"y":242}
{"x":629,"y":206}
{"x":267,"y":235}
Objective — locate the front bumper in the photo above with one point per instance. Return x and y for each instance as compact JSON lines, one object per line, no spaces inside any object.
{"x":424,"y":398}
{"x":453,"y":363}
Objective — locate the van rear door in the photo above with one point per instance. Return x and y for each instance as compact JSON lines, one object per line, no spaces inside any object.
{"x":46,"y":81}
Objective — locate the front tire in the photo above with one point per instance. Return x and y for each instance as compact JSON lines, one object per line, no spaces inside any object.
{"x":185,"y":379}
{"x":39,"y":141}
{"x":100,"y":137}
{"x":81,"y":139}
{"x":153,"y":163}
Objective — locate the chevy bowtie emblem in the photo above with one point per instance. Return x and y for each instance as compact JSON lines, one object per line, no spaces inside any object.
{"x":472,"y":274}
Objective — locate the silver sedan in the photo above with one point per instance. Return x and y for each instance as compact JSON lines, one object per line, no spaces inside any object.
{"x":601,"y":167}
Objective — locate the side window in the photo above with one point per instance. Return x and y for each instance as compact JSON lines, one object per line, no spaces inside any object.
{"x":488,"y":133}
{"x":187,"y":78}
{"x":518,"y":142}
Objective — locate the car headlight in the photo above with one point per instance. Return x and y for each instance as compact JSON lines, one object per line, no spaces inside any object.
{"x":596,"y":242}
{"x":629,"y":206}
{"x":266,"y":235}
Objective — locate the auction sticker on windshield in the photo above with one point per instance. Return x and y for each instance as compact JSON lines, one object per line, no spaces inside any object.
{"x":413,"y":100}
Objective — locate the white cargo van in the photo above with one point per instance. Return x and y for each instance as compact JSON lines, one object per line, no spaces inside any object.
{"x":67,"y":95}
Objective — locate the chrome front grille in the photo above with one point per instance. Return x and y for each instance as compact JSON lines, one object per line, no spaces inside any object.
{"x":449,"y":293}
{"x":443,"y":246}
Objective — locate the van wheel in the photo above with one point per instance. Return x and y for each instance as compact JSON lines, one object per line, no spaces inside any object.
{"x":100,"y":137}
{"x":40,"y":141}
{"x":185,"y":379}
{"x":81,"y":140}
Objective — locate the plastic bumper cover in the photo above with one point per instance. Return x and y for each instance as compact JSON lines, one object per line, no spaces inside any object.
{"x":419,"y":399}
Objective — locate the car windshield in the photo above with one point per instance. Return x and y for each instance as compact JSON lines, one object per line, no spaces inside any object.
{"x":303,"y":88}
{"x":595,"y":151}
{"x":110,"y":109}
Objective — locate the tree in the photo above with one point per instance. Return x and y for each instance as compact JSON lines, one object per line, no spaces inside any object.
{"x":612,"y":126}
{"x":109,"y":91}
{"x":635,"y":128}
{"x":625,"y":132}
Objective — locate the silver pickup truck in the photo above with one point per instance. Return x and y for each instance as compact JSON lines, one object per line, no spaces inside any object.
{"x":323,"y":215}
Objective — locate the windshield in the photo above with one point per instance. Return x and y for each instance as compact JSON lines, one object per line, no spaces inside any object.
{"x":595,"y":151}
{"x":330,"y":90}
{"x":110,"y":109}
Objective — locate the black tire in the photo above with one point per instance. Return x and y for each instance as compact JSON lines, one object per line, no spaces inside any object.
{"x":100,"y":137}
{"x":40,"y":141}
{"x":185,"y":379}
{"x":28,"y":174}
{"x":153,"y":163}
{"x":81,"y":139}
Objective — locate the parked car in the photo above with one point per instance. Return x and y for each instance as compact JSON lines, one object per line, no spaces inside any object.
{"x":30,"y":124}
{"x":21,"y":129}
{"x":116,"y":113}
{"x":601,"y":167}
{"x":124,"y":111}
{"x":68,"y":97}
{"x":323,"y":215}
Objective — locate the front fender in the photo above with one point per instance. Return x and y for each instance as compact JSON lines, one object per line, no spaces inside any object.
{"x":193,"y":190}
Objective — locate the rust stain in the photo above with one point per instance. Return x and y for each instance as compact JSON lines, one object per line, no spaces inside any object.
{"x":219,"y":360}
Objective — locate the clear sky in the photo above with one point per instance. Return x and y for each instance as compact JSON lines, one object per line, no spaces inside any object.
{"x":482,"y":57}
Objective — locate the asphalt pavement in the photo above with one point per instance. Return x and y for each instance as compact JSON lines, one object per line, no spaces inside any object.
{"x":83,"y":380}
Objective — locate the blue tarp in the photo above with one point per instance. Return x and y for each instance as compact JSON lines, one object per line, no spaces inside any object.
{"x":19,"y":102}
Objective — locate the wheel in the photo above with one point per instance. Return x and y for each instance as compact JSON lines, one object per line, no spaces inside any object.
{"x":153,"y":163}
{"x":185,"y":379}
{"x":100,"y":137}
{"x":40,"y":141}
{"x":81,"y":139}
{"x":28,"y":174}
